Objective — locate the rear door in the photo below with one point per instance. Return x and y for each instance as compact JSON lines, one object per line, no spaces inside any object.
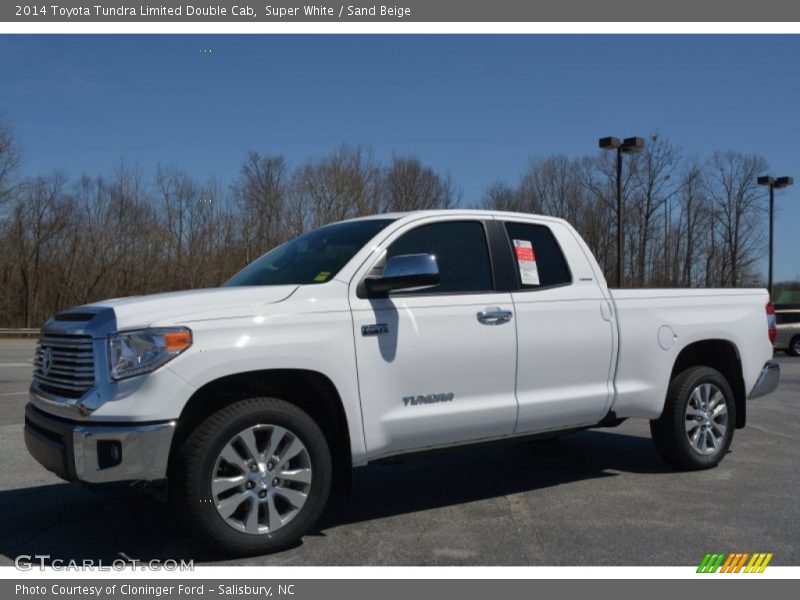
{"x":564,"y":328}
{"x":433,"y":370}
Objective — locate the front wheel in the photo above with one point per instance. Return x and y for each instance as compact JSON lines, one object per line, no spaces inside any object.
{"x":696,"y":427}
{"x":253,"y":477}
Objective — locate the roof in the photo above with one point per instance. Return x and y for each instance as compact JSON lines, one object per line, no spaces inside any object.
{"x":454,"y":211}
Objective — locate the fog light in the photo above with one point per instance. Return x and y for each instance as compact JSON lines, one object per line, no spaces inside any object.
{"x":109,"y":453}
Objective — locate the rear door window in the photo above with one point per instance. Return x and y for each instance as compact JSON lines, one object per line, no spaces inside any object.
{"x":539,"y":261}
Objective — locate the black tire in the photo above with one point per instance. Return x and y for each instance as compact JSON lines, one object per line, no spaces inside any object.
{"x":793,"y":343}
{"x":669,"y":431}
{"x":195,"y":461}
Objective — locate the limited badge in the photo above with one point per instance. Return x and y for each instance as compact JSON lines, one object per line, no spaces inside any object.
{"x":376,"y":329}
{"x":526,"y":261}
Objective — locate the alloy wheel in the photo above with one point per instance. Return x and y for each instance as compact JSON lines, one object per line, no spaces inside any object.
{"x":706,"y":419}
{"x":261,"y":479}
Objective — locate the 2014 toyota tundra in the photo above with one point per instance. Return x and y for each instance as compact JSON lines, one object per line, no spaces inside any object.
{"x":378,"y":337}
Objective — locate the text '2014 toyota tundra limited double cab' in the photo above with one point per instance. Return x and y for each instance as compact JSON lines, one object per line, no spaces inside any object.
{"x":378,"y":337}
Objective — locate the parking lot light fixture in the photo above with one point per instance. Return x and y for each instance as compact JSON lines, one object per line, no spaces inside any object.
{"x":773,"y":183}
{"x":632,"y":145}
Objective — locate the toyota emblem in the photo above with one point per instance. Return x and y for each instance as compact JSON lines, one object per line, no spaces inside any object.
{"x":47,"y":361}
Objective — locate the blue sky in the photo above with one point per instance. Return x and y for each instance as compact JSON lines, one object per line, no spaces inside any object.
{"x":474,"y":106}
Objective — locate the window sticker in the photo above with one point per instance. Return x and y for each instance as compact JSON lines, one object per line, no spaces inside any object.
{"x":322,"y":276}
{"x":526,"y":261}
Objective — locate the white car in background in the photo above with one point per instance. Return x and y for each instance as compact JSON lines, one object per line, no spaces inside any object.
{"x":787,"y":320}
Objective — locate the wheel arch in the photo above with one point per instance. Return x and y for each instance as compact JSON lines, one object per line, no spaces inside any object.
{"x":723,"y":356}
{"x":790,"y":350}
{"x":311,"y":391}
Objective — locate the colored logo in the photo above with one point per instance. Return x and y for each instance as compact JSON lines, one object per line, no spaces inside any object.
{"x":736,"y":562}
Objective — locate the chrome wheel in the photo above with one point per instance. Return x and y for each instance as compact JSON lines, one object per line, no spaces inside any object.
{"x":706,"y":419}
{"x":796,"y":346}
{"x":261,"y":479}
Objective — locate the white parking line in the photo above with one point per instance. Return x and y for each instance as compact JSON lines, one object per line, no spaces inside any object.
{"x":26,"y":364}
{"x":14,"y":394}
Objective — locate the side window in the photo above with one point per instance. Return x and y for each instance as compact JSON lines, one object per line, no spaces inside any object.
{"x":538,"y":257}
{"x":787,"y":318}
{"x":461,"y":252}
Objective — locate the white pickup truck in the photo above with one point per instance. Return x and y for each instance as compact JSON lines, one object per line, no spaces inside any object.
{"x":378,"y":337}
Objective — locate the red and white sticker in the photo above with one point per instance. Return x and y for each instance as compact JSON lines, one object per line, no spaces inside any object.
{"x":526,"y":261}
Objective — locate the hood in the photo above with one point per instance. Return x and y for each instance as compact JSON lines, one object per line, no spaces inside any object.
{"x":186,"y":306}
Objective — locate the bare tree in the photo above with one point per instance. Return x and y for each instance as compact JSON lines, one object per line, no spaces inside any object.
{"x":96,"y":254}
{"x":652,"y":173}
{"x":261,"y":196}
{"x":409,"y":185}
{"x":553,"y":186}
{"x":36,"y":221}
{"x":340,"y":186}
{"x":138,"y":239}
{"x":695,"y":215}
{"x":738,"y":204}
{"x":501,"y":196}
{"x":9,"y":161}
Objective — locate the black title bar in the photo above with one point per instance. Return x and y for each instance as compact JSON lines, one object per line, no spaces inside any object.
{"x":403,"y":10}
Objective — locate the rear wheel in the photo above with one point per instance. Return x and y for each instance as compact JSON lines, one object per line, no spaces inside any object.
{"x":794,"y":346}
{"x":253,"y":477}
{"x":696,"y":428}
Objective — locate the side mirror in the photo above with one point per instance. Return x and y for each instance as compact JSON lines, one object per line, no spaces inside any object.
{"x":404,"y":272}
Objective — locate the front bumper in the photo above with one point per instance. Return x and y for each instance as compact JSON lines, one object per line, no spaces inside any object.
{"x":767,"y":381}
{"x":98,"y":453}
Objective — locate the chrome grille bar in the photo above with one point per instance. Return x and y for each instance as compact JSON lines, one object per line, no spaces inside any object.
{"x":64,"y":364}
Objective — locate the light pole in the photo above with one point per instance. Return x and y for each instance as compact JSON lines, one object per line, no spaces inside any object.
{"x":773,"y":183}
{"x":626,"y":146}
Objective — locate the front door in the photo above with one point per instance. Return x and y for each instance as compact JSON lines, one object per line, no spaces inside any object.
{"x":437,"y":366}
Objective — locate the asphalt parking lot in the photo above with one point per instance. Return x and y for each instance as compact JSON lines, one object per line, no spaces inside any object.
{"x":601,"y":497}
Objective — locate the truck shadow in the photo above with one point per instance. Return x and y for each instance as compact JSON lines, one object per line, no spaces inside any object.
{"x":68,"y":523}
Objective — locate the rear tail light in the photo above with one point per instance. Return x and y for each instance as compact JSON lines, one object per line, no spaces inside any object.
{"x":771,"y":324}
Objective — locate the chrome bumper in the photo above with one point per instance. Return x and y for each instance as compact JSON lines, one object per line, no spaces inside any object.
{"x":767,"y":382}
{"x":98,"y":454}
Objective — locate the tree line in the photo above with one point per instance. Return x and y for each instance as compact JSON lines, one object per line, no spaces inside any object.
{"x":70,"y":240}
{"x":688,"y":221}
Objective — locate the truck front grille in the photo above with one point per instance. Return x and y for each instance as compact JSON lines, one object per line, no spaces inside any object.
{"x":64,"y":364}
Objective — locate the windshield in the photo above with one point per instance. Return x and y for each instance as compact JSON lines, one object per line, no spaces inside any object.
{"x":314,"y":257}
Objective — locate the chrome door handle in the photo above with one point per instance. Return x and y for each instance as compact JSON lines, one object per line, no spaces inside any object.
{"x":494,"y":316}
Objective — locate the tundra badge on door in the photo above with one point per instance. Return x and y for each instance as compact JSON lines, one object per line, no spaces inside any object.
{"x":428,"y":398}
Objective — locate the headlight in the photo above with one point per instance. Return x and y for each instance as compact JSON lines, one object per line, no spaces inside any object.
{"x":135,"y":352}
